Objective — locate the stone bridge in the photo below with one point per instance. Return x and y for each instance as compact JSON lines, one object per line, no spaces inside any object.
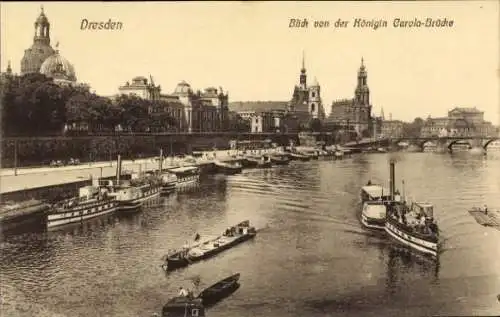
{"x":446,"y":143}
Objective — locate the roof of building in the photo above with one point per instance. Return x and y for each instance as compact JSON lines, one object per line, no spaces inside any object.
{"x":466,"y":109}
{"x":239,"y":106}
{"x":58,"y":67}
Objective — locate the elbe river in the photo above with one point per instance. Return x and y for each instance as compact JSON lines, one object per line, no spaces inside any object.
{"x":310,"y":258}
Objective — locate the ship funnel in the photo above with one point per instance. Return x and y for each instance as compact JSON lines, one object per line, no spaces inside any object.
{"x":392,"y":173}
{"x":161,"y":161}
{"x":118,"y":169}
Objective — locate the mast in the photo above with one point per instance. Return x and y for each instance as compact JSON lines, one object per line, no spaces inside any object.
{"x":392,"y":178}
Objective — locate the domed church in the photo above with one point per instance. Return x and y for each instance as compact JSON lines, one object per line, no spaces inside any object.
{"x":59,"y":69}
{"x":42,"y":58}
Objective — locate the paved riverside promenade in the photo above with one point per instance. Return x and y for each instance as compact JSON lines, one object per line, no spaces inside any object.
{"x":30,"y":178}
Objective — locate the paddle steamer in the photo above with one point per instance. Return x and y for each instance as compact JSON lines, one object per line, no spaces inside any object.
{"x":412,"y":225}
{"x":92,"y":202}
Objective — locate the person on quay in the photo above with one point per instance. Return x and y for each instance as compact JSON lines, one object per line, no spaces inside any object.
{"x":485,"y":209}
{"x":183,"y":292}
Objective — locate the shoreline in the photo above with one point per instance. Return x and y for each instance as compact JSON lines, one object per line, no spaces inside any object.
{"x":41,"y":177}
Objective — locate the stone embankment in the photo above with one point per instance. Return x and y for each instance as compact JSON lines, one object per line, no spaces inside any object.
{"x":39,"y":177}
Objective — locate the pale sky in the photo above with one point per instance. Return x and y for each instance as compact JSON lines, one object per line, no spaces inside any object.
{"x":249,"y":49}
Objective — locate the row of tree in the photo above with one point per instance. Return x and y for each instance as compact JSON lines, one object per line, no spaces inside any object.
{"x":34,"y":105}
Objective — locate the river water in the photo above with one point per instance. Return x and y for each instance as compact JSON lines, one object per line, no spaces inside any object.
{"x":310,"y":258}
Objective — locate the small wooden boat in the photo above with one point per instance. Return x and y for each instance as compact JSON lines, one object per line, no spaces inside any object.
{"x":228,"y":168}
{"x":279,"y":159}
{"x":220,"y":290}
{"x":184,"y":306}
{"x":231,"y":237}
{"x":486,"y":218}
{"x":300,"y":157}
{"x":249,"y":162}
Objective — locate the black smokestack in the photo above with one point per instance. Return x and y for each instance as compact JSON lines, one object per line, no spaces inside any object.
{"x":118,"y":169}
{"x":161,"y":161}
{"x":392,"y":173}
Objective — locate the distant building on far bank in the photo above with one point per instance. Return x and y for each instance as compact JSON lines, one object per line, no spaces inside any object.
{"x":459,"y":122}
{"x":262,"y":116}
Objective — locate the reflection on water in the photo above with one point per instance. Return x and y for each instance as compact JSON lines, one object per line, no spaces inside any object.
{"x":310,"y":258}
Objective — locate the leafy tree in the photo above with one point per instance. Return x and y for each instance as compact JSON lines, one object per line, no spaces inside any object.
{"x":315,"y":125}
{"x":414,"y":128}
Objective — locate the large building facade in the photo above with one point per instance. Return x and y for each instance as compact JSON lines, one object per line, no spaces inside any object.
{"x":459,"y":122}
{"x":354,"y":114}
{"x":205,"y":111}
{"x":42,"y":58}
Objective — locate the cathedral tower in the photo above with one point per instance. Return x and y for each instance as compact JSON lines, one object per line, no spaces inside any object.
{"x":314,"y":100}
{"x":303,"y":76}
{"x":362,"y":92}
{"x":40,"y":49}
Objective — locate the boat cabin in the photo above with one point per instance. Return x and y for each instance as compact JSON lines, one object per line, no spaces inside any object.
{"x":182,"y":306}
{"x":185,"y":171}
{"x":425,"y":209}
{"x":375,"y":192}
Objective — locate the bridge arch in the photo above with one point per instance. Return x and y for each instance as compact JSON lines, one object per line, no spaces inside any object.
{"x":485,"y":146}
{"x":422,"y":143}
{"x":457,"y":141}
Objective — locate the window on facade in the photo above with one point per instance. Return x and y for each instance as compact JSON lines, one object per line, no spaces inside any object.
{"x":313,"y":94}
{"x":313,"y":106}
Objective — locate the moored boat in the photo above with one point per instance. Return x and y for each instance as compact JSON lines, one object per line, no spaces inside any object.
{"x":300,"y":157}
{"x":220,"y":290}
{"x":184,"y":306}
{"x":91,"y":202}
{"x":412,"y":225}
{"x":231,"y":237}
{"x":169,"y":183}
{"x":280,"y":159}
{"x":228,"y":168}
{"x":16,"y":214}
{"x":186,"y":175}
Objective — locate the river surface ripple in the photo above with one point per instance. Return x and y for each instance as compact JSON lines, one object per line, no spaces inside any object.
{"x":310,"y":258}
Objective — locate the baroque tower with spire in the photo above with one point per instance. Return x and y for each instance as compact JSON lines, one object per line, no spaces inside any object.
{"x":306,"y":100}
{"x":40,"y":50}
{"x":354,"y":114}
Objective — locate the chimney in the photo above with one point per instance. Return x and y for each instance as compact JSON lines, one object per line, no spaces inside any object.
{"x":161,"y":161}
{"x":392,"y":180}
{"x":118,"y":169}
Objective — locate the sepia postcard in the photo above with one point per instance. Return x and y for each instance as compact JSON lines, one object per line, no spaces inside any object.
{"x":250,"y":159}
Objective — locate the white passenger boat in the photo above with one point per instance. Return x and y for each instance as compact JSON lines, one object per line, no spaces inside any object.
{"x":186,"y":175}
{"x":374,"y":199}
{"x":92,"y":202}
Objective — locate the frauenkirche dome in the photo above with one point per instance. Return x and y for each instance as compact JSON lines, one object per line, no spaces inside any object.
{"x":58,"y":68}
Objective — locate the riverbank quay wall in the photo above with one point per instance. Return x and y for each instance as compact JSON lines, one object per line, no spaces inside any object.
{"x":36,"y":151}
{"x":52,"y":184}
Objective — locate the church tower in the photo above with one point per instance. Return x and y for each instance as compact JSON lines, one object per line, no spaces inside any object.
{"x":40,"y":49}
{"x":314,"y":100}
{"x":362,"y":93}
{"x":303,"y":76}
{"x":42,"y":29}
